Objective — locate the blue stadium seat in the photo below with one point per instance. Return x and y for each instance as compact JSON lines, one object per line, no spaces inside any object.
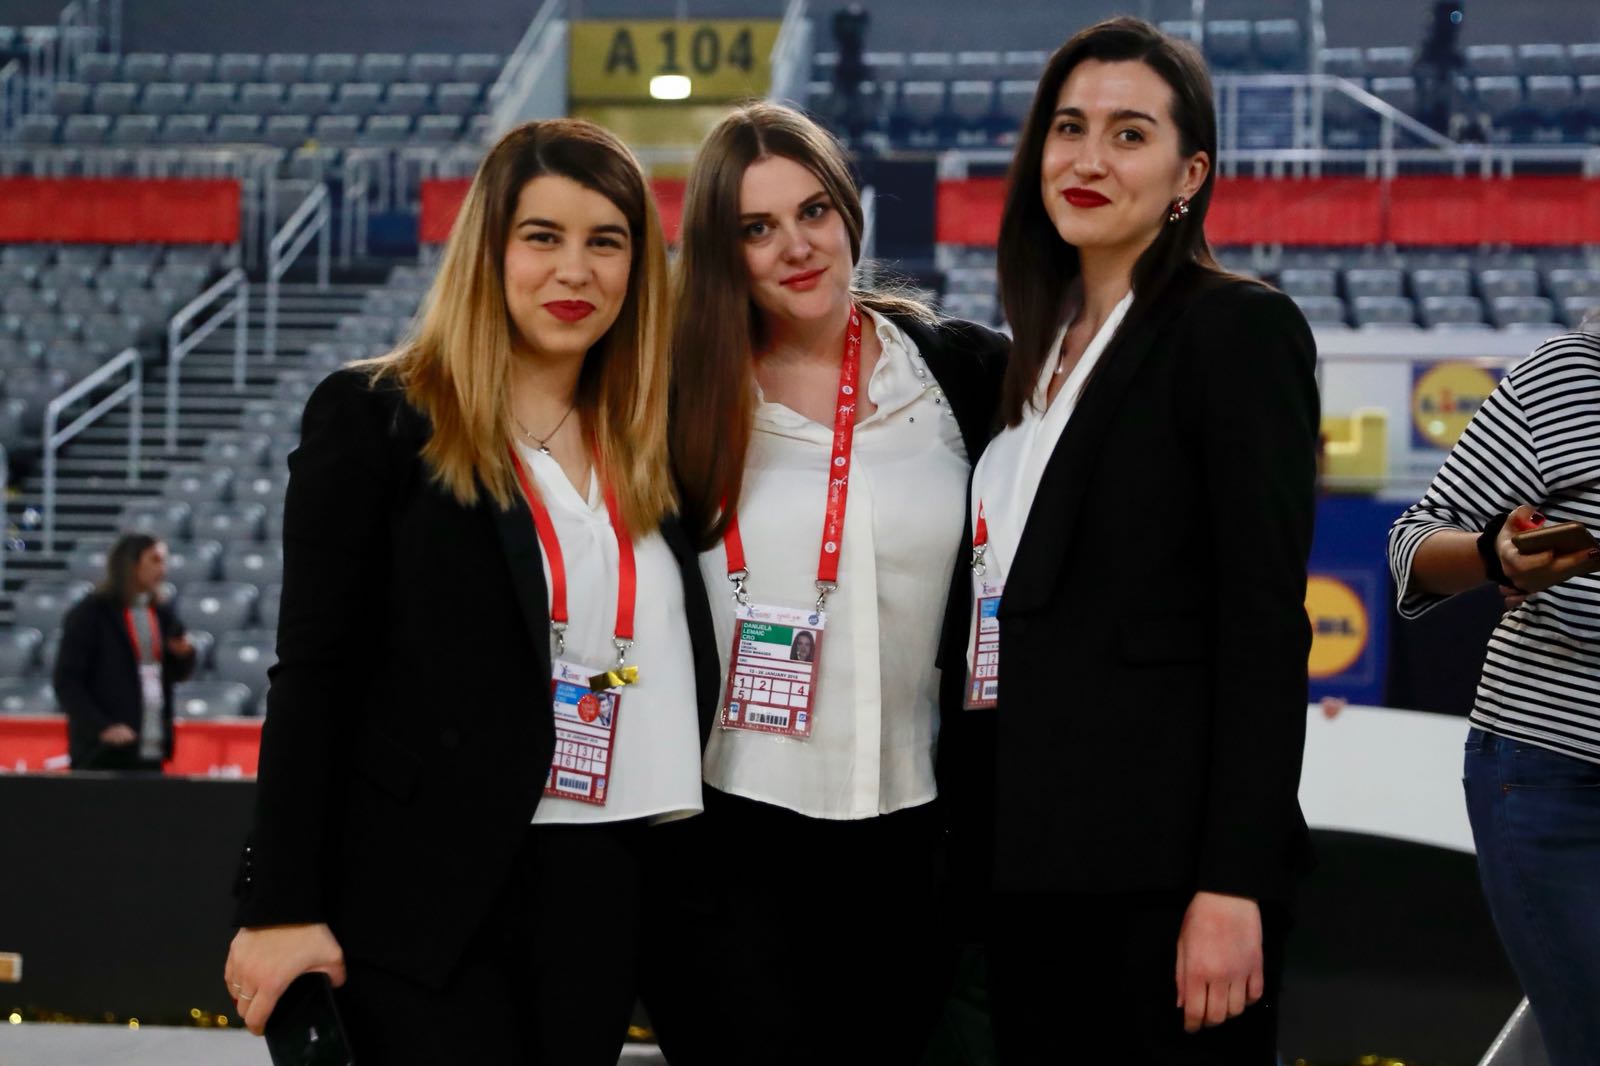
{"x":261,"y":98}
{"x":85,"y":129}
{"x":1436,"y":281}
{"x":1451,"y":310}
{"x":337,"y":131}
{"x":1344,"y":62}
{"x":22,"y":696}
{"x":167,"y":519}
{"x":382,"y":67}
{"x":480,"y":67}
{"x":69,"y":98}
{"x":133,"y":130}
{"x":1566,"y":282}
{"x":19,"y":650}
{"x":1578,"y":309}
{"x":1543,"y":59}
{"x":228,"y":522}
{"x":144,"y":67}
{"x":1279,"y":44}
{"x":1384,"y":312}
{"x":431,"y":68}
{"x":237,"y":129}
{"x":114,"y":98}
{"x":1228,"y":44}
{"x":164,"y":98}
{"x":243,"y":451}
{"x":1390,"y":61}
{"x":286,"y":68}
{"x":1499,"y":97}
{"x":1522,"y":312}
{"x":196,"y":483}
{"x":358,"y":98}
{"x":1322,"y":310}
{"x":455,"y":98}
{"x":244,"y":656}
{"x":979,"y":66}
{"x":220,"y":607}
{"x":1552,"y":94}
{"x":1308,"y":282}
{"x":1503,"y":282}
{"x":287,"y":131}
{"x":37,"y":129}
{"x":311,"y":98}
{"x":1381,"y":282}
{"x":260,"y":565}
{"x":238,"y":67}
{"x":42,"y":604}
{"x":210,"y":699}
{"x":1585,"y":58}
{"x":385,"y":130}
{"x":1399,"y":93}
{"x":213,"y":98}
{"x":96,"y":67}
{"x":192,"y":67}
{"x":1183,"y":29}
{"x":406,"y":98}
{"x":1491,"y":60}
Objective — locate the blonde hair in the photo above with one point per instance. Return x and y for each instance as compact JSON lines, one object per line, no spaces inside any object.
{"x":456,"y":367}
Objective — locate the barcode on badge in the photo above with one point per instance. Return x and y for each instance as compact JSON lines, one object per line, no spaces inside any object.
{"x":568,"y":783}
{"x":756,"y":717}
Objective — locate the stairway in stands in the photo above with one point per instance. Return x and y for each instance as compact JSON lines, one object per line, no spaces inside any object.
{"x":92,"y":484}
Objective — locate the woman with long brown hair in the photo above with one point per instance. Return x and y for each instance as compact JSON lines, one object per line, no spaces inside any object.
{"x":822,"y":434}
{"x":493,"y":649}
{"x":1138,"y":572}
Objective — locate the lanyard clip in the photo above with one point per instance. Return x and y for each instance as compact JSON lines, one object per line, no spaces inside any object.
{"x":622,"y":647}
{"x":737,"y":578}
{"x":823,"y":588}
{"x":979,"y":565}
{"x":559,"y":631}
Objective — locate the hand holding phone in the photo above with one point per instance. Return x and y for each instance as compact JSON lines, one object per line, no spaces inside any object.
{"x":304,"y":1029}
{"x":1536,"y":556}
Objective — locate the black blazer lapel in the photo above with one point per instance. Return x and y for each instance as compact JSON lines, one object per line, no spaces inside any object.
{"x":702,"y":633}
{"x":521,"y":545}
{"x":1047,"y":535}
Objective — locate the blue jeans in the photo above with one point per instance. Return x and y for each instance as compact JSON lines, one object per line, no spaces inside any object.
{"x":1536,"y":821}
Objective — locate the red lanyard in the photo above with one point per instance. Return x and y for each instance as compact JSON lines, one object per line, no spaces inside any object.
{"x":155,"y":635}
{"x":980,"y":543}
{"x":844,"y":431}
{"x":627,"y":578}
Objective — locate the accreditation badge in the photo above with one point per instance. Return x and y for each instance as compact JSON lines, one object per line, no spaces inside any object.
{"x":772,"y":672}
{"x":983,"y":647}
{"x":586,"y":731}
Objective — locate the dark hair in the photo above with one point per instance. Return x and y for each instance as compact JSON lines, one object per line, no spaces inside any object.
{"x":121,"y":561}
{"x":718,"y":328}
{"x":1034,"y":269}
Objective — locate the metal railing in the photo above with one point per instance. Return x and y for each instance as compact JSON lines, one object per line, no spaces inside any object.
{"x":236,"y":307}
{"x":55,"y":438}
{"x":5,"y":524}
{"x":791,"y":56}
{"x":526,"y":67}
{"x":869,"y":223}
{"x":354,"y":218}
{"x":13,"y":99}
{"x":311,"y":219}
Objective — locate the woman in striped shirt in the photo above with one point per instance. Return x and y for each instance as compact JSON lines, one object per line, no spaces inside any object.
{"x":1530,"y":457}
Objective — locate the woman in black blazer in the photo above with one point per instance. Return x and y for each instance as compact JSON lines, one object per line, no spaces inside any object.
{"x":1140,"y":536}
{"x":410,"y":731}
{"x":122,"y":650}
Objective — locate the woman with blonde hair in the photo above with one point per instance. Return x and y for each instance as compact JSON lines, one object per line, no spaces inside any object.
{"x":822,"y":434}
{"x":493,"y":650}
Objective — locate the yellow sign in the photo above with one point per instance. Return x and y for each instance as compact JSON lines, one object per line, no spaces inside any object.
{"x":1338,"y":626}
{"x":724,"y":59}
{"x":1444,"y":399}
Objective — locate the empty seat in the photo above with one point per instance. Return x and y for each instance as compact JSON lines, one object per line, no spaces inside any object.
{"x":382,"y":67}
{"x":244,"y":657}
{"x":96,"y":67}
{"x":1427,"y":282}
{"x":431,"y":68}
{"x":1496,"y":283}
{"x":1522,"y":311}
{"x":1183,"y":29}
{"x":192,"y":67}
{"x":267,"y":606}
{"x":236,"y":66}
{"x":85,"y":129}
{"x":136,"y":130}
{"x":193,"y":562}
{"x":185,"y":129}
{"x":261,"y":98}
{"x":479,"y":67}
{"x":337,"y":130}
{"x":1543,"y":59}
{"x":37,"y":129}
{"x":384,"y":130}
{"x":1344,"y":62}
{"x":1567,"y":282}
{"x":210,"y":699}
{"x":259,"y":565}
{"x":1399,"y":93}
{"x":228,"y":522}
{"x":1498,"y":96}
{"x":455,"y":98}
{"x":19,"y":650}
{"x":69,"y":98}
{"x":114,"y":98}
{"x":22,"y":696}
{"x":1372,"y":281}
{"x":406,"y":98}
{"x":185,"y":279}
{"x":194,"y":483}
{"x":1389,"y":62}
{"x":1384,"y":312}
{"x":1308,"y":282}
{"x":1227,"y":43}
{"x":144,"y":67}
{"x":151,"y":305}
{"x":164,"y":98}
{"x":1585,"y":58}
{"x":108,"y":333}
{"x":356,"y":98}
{"x":220,"y":606}
{"x":437,"y":129}
{"x":1438,"y":310}
{"x":240,"y":450}
{"x":287,"y":131}
{"x":311,"y":98}
{"x":164,"y":519}
{"x":1491,"y":60}
{"x":286,"y":68}
{"x":213,"y":98}
{"x":1552,"y":93}
{"x":1322,"y":310}
{"x":333,"y":67}
{"x":42,"y":604}
{"x":1579,"y":309}
{"x":1278,"y":43}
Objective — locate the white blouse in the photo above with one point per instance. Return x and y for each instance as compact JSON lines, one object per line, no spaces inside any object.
{"x":656,"y":753}
{"x":875,"y":719}
{"x":1008,"y":473}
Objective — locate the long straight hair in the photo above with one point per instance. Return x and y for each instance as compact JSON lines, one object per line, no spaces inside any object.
{"x":121,"y":561}
{"x":719,"y":328}
{"x":1036,"y":266}
{"x":456,"y":369}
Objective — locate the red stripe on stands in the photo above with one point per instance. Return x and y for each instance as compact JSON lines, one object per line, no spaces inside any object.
{"x":229,"y":747}
{"x":1528,"y":211}
{"x":442,"y":199}
{"x":119,"y":211}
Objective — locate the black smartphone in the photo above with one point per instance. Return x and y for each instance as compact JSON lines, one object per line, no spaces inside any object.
{"x":304,"y":1028}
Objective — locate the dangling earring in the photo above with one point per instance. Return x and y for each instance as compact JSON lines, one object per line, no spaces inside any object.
{"x":1179,"y":210}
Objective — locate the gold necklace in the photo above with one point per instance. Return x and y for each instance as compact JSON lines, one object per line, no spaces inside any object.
{"x":543,"y":442}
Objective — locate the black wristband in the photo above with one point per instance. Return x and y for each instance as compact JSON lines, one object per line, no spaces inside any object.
{"x":1490,"y":554}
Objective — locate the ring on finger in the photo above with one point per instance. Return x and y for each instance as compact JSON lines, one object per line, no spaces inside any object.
{"x":243,"y":996}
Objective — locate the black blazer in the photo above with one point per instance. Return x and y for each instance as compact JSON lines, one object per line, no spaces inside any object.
{"x":409,"y":727}
{"x":97,"y":680}
{"x":969,"y":362}
{"x":1153,"y":633}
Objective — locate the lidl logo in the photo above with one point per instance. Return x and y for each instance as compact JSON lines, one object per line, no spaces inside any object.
{"x":1444,"y":397}
{"x":1339,"y":628}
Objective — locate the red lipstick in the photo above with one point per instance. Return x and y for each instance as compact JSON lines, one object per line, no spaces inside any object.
{"x":1084,"y":198}
{"x":803,"y":282}
{"x":570,"y":310}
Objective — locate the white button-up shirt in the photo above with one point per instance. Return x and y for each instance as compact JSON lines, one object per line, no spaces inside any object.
{"x":875,"y":717}
{"x":655,"y":757}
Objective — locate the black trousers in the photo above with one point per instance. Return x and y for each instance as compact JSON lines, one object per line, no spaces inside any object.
{"x":793,"y":940}
{"x":1090,"y":979}
{"x":549,"y":979}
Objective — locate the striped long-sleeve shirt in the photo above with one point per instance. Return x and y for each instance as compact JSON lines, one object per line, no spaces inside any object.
{"x":1536,"y":440}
